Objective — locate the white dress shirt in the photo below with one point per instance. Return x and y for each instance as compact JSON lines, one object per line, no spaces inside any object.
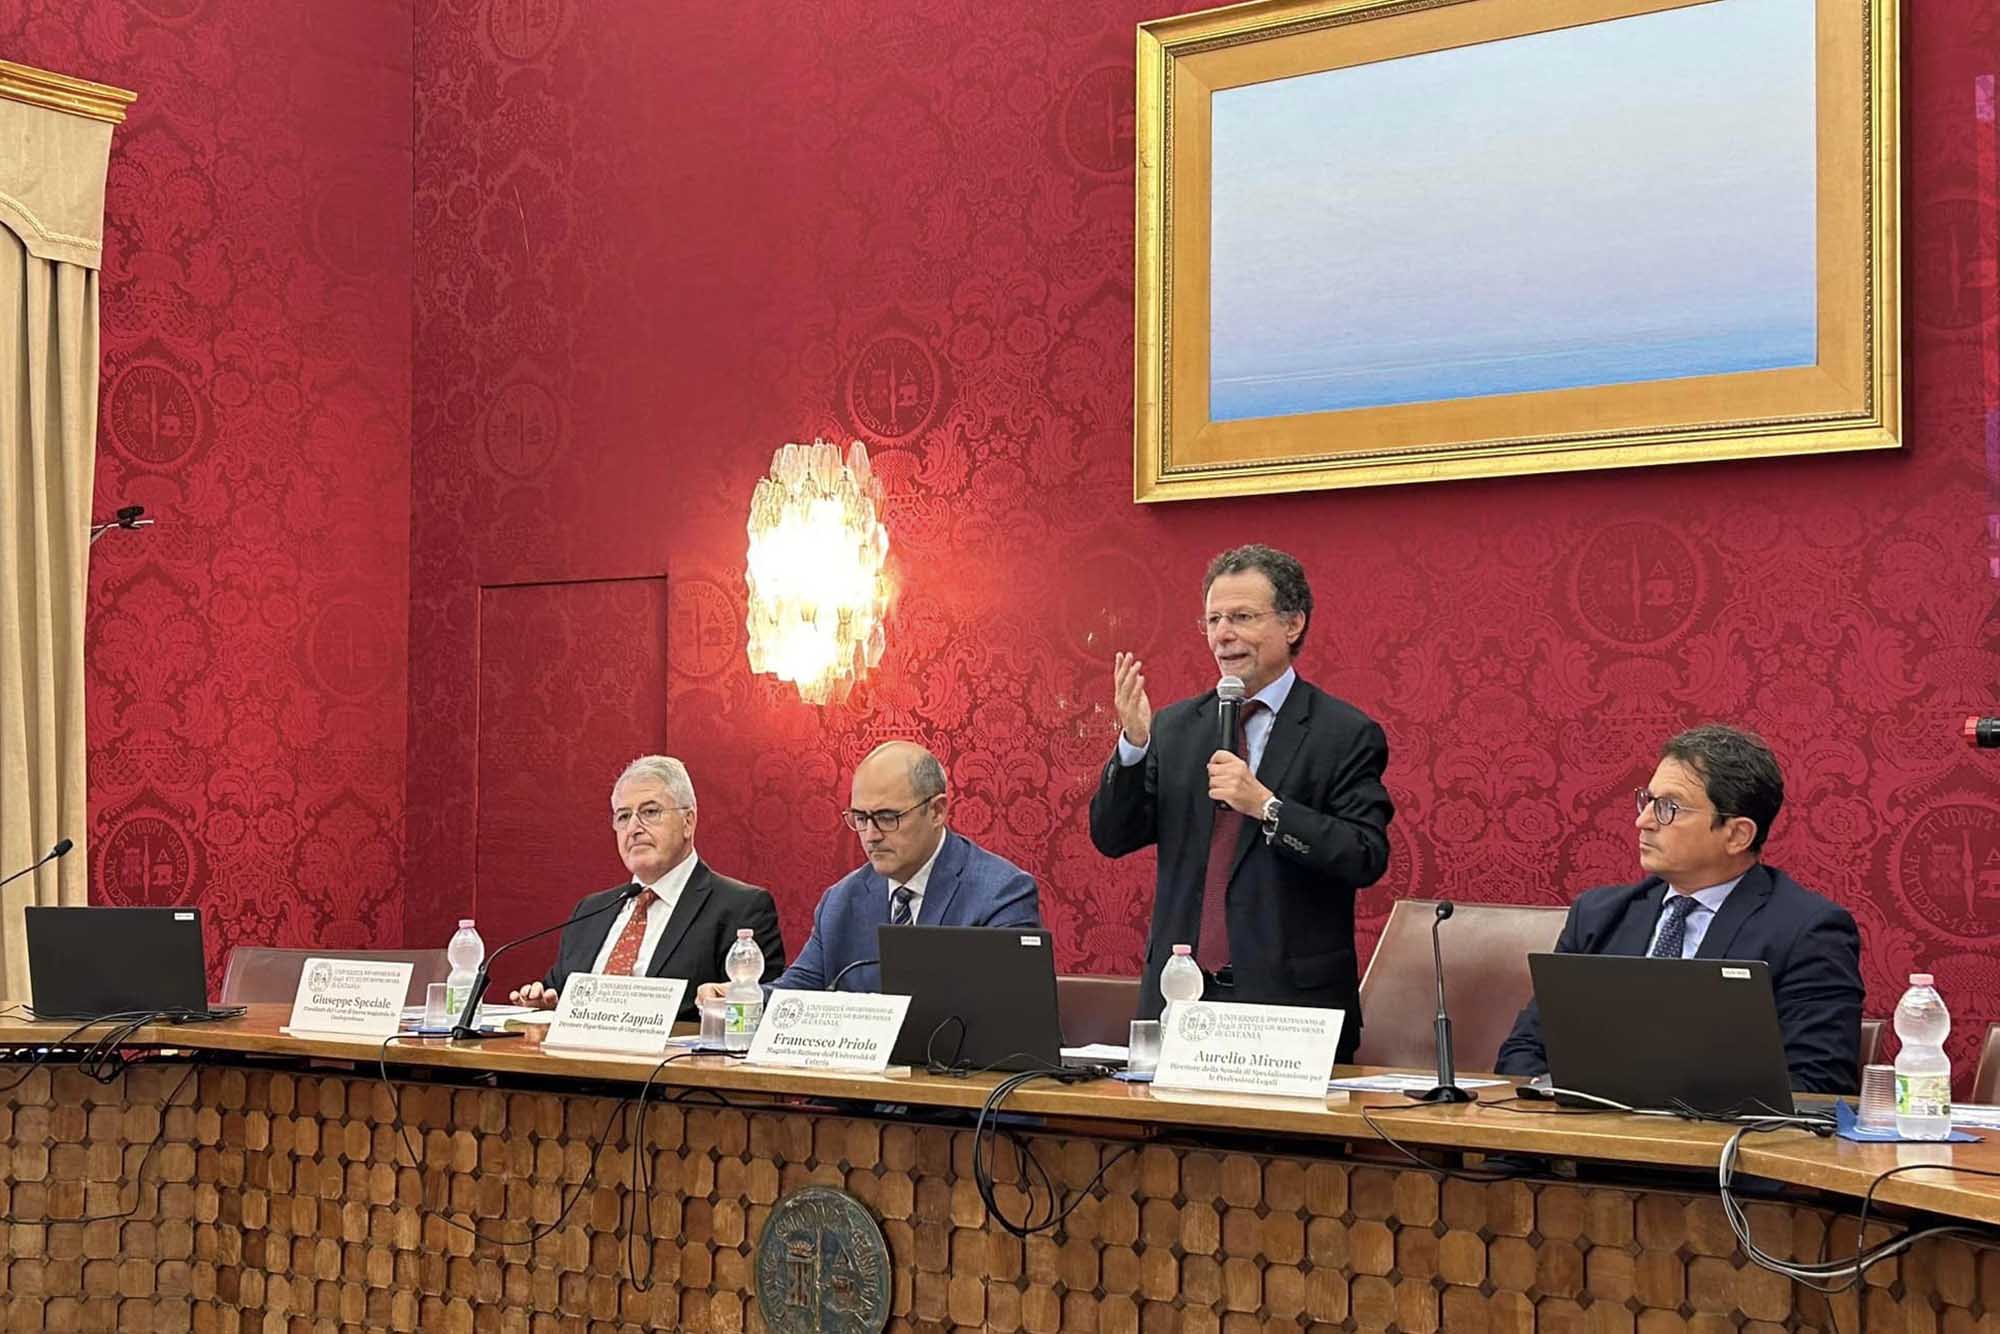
{"x":917,"y":883}
{"x":668,"y":889}
{"x":1707,"y":903}
{"x":1257,"y":724}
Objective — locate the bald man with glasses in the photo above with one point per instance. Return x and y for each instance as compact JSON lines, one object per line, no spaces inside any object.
{"x":918,"y":873}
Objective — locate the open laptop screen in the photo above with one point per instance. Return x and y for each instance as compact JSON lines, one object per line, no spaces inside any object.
{"x":980,"y":996}
{"x":1654,"y":1033}
{"x":87,"y":962}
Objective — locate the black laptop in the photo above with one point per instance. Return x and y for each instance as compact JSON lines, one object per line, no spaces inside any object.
{"x":982,"y":997}
{"x":1660,"y":1033}
{"x":86,"y":963}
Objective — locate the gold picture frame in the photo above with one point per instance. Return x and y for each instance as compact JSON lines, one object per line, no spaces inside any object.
{"x":1846,"y":397}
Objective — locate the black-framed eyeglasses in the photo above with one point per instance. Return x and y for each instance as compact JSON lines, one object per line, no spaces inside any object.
{"x":886,"y":821}
{"x":649,"y":815}
{"x":1664,"y":808}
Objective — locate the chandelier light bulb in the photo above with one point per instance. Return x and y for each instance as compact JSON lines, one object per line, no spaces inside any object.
{"x":818,"y":570}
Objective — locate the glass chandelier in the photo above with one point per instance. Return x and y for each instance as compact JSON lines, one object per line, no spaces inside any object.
{"x":818,"y":570}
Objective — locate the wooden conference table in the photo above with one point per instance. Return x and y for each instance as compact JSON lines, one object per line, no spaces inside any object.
{"x":276,"y":1193}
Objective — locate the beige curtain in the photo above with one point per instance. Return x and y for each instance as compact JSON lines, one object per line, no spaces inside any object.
{"x":55,"y":141}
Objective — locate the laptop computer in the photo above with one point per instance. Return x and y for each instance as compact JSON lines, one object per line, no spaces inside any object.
{"x":1656,"y":1033}
{"x":980,"y":996}
{"x":85,"y":963}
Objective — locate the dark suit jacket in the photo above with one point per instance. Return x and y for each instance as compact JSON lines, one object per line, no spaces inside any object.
{"x":1810,"y":943}
{"x":1291,"y":896}
{"x":969,"y":886}
{"x":696,"y":939}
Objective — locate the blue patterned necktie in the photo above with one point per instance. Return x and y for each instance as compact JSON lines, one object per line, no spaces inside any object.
{"x":899,"y":906}
{"x":1674,"y":932}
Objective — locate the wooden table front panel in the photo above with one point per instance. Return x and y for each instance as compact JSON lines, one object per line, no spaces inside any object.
{"x":285,"y":1202}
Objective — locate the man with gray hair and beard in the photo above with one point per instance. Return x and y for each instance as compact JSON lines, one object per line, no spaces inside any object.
{"x":686,"y":918}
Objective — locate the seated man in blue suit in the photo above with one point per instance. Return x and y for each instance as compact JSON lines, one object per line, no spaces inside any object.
{"x":1701,"y":822}
{"x":918,"y":872}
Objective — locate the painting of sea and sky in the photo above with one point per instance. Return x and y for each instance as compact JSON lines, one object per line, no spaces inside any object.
{"x":1625,"y":201}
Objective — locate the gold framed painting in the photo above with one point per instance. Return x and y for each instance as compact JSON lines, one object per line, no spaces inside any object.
{"x":1385,"y":241}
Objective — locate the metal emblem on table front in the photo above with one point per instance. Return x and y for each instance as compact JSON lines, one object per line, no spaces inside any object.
{"x":822,"y":1266}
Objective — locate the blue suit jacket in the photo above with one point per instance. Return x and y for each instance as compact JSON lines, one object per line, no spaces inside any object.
{"x":1810,"y":942}
{"x":969,"y":886}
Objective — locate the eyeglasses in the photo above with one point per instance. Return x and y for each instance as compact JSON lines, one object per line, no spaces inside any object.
{"x":886,"y":821}
{"x":649,"y":815}
{"x":1238,"y":620}
{"x":1664,"y":808}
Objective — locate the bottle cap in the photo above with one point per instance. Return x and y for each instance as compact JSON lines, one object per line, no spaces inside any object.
{"x":1184,"y":949}
{"x":744,"y":933}
{"x":1920,"y":979}
{"x":464,"y":922}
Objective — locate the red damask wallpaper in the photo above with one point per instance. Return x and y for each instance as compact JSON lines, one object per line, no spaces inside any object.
{"x":653,"y":242}
{"x":647,"y":243}
{"x":248,"y":656}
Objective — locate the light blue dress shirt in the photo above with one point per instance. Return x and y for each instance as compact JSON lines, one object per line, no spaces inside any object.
{"x":1708,"y":902}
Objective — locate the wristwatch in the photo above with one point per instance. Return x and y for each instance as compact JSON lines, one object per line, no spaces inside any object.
{"x":1269,"y":814}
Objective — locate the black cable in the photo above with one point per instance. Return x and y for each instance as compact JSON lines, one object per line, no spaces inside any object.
{"x":403,"y":1133}
{"x":983,"y":1135}
{"x":1449,"y":1173}
{"x":138,"y":1176}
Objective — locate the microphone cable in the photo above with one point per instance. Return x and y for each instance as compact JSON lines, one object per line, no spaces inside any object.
{"x":416,"y":1160}
{"x":985,"y":1131}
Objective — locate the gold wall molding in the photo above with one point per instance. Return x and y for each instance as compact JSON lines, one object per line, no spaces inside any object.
{"x":62,"y":92}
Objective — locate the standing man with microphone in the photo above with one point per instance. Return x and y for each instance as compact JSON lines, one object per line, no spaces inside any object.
{"x":1262,"y":844}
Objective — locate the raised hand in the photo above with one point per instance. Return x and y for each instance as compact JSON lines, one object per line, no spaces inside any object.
{"x":1128,"y":696}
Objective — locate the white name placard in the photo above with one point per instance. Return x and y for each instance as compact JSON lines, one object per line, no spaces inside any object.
{"x":605,"y":1012}
{"x":1248,"y":1048}
{"x":358,"y":998}
{"x":829,"y":1030}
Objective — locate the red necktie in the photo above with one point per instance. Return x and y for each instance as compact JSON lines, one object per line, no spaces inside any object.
{"x":1211,"y":948}
{"x":626,"y":952}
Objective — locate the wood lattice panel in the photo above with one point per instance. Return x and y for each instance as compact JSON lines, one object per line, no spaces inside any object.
{"x":280,"y":1202}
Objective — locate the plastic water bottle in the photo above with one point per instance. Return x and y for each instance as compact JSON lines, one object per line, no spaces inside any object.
{"x":1181,"y":980}
{"x":1923,"y":1075}
{"x":743,"y":1002}
{"x":465,"y":953}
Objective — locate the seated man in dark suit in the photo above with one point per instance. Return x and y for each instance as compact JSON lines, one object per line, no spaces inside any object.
{"x":687,"y":918}
{"x":1702,"y":821}
{"x":918,"y":872}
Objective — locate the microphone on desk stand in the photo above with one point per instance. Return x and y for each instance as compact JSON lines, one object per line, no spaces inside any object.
{"x":62,"y":846}
{"x":1447,"y":1089}
{"x":464,"y":1030}
{"x":858,"y":963}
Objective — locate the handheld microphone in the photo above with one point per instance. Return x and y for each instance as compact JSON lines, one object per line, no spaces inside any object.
{"x":1982,"y":733}
{"x":1228,"y":716}
{"x":1447,"y":1089}
{"x":463,"y":1030}
{"x":858,"y":963}
{"x":62,"y":846}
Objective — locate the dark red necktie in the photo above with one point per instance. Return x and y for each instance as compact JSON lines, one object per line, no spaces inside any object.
{"x":624,"y":955}
{"x":1211,"y":948}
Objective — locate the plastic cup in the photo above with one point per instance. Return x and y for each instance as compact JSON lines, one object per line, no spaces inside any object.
{"x":1142,"y":1052}
{"x":714,"y":1015}
{"x":437,"y":1006}
{"x":1878,"y":1098}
